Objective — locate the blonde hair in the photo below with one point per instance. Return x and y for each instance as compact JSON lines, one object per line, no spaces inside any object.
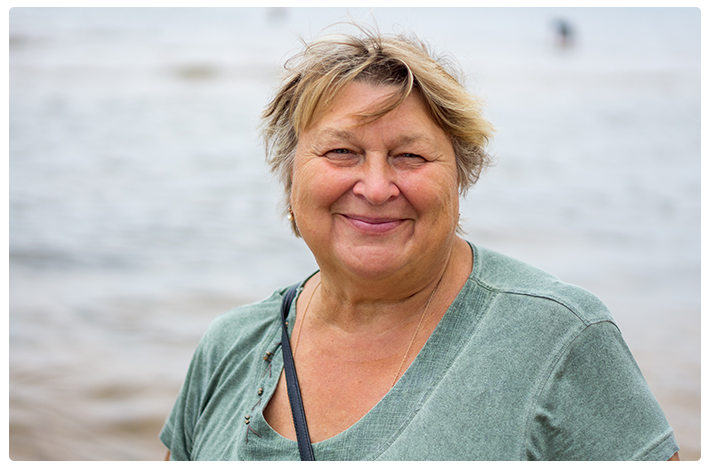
{"x":327,"y":65}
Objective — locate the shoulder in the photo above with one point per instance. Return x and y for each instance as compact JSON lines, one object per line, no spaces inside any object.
{"x":515,"y":280}
{"x":242,"y":327}
{"x":225,"y":362}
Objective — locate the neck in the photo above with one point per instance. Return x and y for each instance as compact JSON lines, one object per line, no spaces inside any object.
{"x":363,"y":304}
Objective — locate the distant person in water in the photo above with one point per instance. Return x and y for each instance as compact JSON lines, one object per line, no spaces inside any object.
{"x":564,"y":34}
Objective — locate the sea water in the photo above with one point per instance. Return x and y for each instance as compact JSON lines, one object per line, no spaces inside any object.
{"x":140,"y":205}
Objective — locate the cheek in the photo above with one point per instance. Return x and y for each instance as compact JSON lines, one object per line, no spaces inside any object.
{"x":316,"y":185}
{"x":301,"y":179}
{"x":436,"y":193}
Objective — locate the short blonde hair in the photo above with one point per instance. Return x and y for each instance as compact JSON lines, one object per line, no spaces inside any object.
{"x":328,"y":64}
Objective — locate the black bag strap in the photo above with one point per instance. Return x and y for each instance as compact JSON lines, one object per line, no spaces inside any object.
{"x":296,"y":402}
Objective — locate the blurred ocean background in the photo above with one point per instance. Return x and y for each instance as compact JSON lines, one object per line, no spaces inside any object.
{"x":140,"y":207}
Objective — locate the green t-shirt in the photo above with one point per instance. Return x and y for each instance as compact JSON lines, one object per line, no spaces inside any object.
{"x":521,"y":367}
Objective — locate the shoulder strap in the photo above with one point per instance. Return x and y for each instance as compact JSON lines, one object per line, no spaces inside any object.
{"x":296,"y":403}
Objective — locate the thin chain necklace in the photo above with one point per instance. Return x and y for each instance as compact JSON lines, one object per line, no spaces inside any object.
{"x":300,"y":327}
{"x":425,"y":309}
{"x":411,"y":343}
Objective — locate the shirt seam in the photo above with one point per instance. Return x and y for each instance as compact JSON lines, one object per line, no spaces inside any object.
{"x":552,"y":367}
{"x":549,"y":297}
{"x":661,"y":440}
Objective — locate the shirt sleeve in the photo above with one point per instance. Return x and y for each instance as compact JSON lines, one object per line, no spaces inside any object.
{"x":177,"y":433}
{"x":596,"y":405}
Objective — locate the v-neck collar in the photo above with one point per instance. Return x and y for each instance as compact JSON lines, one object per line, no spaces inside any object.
{"x":371,"y":435}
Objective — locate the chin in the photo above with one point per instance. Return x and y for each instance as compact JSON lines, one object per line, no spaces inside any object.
{"x":375,"y":262}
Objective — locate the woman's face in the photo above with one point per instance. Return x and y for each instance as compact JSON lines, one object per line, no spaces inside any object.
{"x":376,"y":199}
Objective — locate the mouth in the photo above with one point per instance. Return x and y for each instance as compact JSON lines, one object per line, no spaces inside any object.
{"x":374,"y":225}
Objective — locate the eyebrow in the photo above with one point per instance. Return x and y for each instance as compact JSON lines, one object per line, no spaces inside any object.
{"x":407,"y":139}
{"x":346,"y":135}
{"x":335,"y":134}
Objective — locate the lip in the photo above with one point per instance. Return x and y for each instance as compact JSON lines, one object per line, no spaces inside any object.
{"x":373,"y":225}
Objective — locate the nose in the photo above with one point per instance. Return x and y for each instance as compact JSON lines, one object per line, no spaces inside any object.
{"x":377,"y":181}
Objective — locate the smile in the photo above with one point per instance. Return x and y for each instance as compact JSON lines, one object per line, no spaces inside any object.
{"x":373,"y":225}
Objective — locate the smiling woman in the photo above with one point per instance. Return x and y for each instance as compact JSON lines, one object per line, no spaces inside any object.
{"x":409,"y":342}
{"x":376,"y":200}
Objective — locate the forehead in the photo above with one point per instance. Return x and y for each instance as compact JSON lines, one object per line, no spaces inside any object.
{"x":351,"y":111}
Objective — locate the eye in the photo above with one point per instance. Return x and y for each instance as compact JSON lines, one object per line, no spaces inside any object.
{"x":341,"y":156}
{"x":339,"y":153}
{"x":409,"y":160}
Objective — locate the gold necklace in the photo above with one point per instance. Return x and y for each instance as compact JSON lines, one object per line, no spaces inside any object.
{"x":411,"y":343}
{"x":300,"y":326}
{"x":425,"y":309}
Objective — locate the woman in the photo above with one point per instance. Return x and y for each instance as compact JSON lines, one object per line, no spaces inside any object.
{"x":409,"y":342}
